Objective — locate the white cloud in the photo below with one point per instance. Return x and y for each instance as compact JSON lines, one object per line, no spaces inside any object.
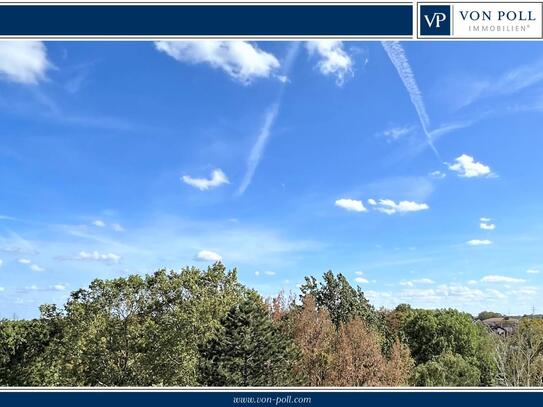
{"x":359,"y":273}
{"x":423,"y":281}
{"x":525,"y":292}
{"x":351,"y":205}
{"x":420,"y":281}
{"x":117,"y":227}
{"x":23,"y":61}
{"x":241,"y":60}
{"x":207,"y":255}
{"x":437,"y":175}
{"x":529,"y":271}
{"x":473,"y":282}
{"x":217,"y":178}
{"x":390,"y":207}
{"x":455,"y":292}
{"x":97,"y":256}
{"x":334,"y":60}
{"x":495,"y":293}
{"x":372,"y":202}
{"x":485,"y":219}
{"x":35,"y":267}
{"x":501,"y":279}
{"x":34,"y":287}
{"x":266,"y":273}
{"x":361,"y":280}
{"x":1,"y":262}
{"x":487,"y":226}
{"x":466,"y":166}
{"x":1,"y":289}
{"x":479,"y":242}
{"x":29,"y":263}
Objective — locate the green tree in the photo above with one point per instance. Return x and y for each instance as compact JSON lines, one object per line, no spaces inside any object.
{"x":22,"y":344}
{"x":519,"y":357}
{"x":345,"y":303}
{"x":488,"y":314}
{"x":447,"y":369}
{"x":431,"y":333}
{"x":142,"y":331}
{"x":249,"y":350}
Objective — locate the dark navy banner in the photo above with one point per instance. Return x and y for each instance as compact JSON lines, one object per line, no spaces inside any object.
{"x":100,"y":20}
{"x":267,"y":398}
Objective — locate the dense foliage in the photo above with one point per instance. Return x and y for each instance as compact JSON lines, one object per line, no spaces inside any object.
{"x":203,"y":328}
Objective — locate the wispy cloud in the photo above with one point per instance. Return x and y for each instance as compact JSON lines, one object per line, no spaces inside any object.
{"x":479,"y":242}
{"x":117,"y":227}
{"x":35,"y":288}
{"x":5,"y":217}
{"x":468,"y":91}
{"x":266,"y":273}
{"x":501,"y":279}
{"x":99,"y":223}
{"x":269,"y":119}
{"x":334,"y":60}
{"x":399,"y":59}
{"x":437,"y":174}
{"x":23,"y":62}
{"x":258,"y":148}
{"x":203,"y":184}
{"x":31,"y":265}
{"x":241,"y":60}
{"x":93,"y":256}
{"x":419,"y":281}
{"x":396,"y":132}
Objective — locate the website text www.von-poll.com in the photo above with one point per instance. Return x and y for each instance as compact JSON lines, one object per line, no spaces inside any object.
{"x":272,"y":400}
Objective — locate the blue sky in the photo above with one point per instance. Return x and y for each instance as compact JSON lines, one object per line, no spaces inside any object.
{"x":413,"y":168}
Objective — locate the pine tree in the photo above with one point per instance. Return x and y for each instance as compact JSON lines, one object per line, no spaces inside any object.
{"x":250,"y":350}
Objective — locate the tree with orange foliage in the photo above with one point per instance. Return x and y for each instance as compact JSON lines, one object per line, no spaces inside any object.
{"x":399,"y":365}
{"x":358,"y":360}
{"x":314,"y":334}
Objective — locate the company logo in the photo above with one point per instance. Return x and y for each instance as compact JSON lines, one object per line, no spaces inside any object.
{"x":435,"y":19}
{"x":465,"y":19}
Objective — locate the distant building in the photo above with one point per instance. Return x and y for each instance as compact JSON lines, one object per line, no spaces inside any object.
{"x":503,"y":326}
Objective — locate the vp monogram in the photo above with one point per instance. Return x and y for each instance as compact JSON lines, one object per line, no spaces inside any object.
{"x":437,"y":19}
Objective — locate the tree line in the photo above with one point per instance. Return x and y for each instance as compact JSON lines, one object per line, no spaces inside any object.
{"x":204,"y":328}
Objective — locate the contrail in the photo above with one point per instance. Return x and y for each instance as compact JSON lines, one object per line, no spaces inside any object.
{"x":269,"y":119}
{"x":258,"y":147}
{"x":397,"y":56}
